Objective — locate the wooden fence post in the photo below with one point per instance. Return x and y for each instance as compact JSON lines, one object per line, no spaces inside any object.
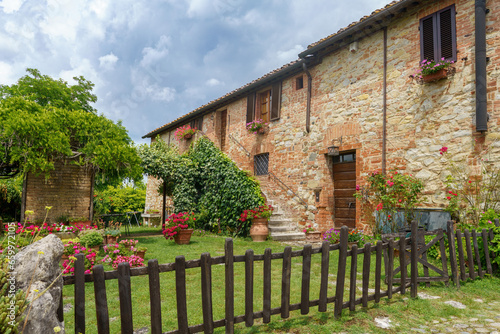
{"x":378,"y":270}
{"x":180,"y":291}
{"x":154,"y":296}
{"x":470,"y":257}
{"x":352,"y":284}
{"x":414,"y":259}
{"x":266,"y":313}
{"x":390,"y":267}
{"x":402,"y":263}
{"x":366,"y":273}
{"x":206,"y":293}
{"x":484,"y":234}
{"x":80,"y":294}
{"x":229,"y":289}
{"x":101,"y":301}
{"x":325,"y":265}
{"x":453,"y":254}
{"x":339,"y":289}
{"x":285,"y":282}
{"x":249,"y":287}
{"x":461,"y":259}
{"x":125,"y":293}
{"x":306,"y":279}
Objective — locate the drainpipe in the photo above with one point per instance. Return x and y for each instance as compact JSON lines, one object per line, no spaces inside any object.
{"x":384,"y":105}
{"x":481,"y":98}
{"x":309,"y":90}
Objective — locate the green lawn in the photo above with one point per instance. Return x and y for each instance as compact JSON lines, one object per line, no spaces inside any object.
{"x":409,"y":311}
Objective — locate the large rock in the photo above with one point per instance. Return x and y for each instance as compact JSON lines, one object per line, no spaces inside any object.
{"x":36,"y":268}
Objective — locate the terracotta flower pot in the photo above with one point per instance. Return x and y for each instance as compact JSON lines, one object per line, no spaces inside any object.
{"x":314,"y":236}
{"x":261,"y":131}
{"x":441,"y":74}
{"x":110,"y":239}
{"x":351,"y":243}
{"x":188,"y":136}
{"x":183,"y":236}
{"x":259,"y":229}
{"x":141,"y":254}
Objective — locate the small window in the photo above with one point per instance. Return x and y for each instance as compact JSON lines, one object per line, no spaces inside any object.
{"x":265,"y":104}
{"x":261,"y":164}
{"x":438,"y":35}
{"x":345,"y":157}
{"x":197,"y":123}
{"x":299,"y":83}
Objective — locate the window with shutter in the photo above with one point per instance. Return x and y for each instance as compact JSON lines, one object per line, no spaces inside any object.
{"x":265,"y":104}
{"x":438,"y":35}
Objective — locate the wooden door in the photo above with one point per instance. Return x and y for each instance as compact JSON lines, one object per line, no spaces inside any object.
{"x":344,"y":183}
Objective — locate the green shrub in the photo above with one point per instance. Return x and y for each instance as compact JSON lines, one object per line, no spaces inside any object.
{"x":204,"y":180}
{"x":10,"y":321}
{"x":91,"y":239}
{"x":120,"y":199}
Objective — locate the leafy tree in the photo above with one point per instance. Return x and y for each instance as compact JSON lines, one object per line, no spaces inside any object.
{"x":120,"y":199}
{"x":10,"y":198}
{"x":43,"y":120}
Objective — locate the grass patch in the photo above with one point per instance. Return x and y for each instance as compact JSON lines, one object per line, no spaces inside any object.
{"x":406,"y":313}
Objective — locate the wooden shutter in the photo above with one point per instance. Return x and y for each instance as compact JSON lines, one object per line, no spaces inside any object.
{"x":427,"y":40}
{"x":200,"y":123}
{"x":192,"y":124}
{"x":275,"y":101}
{"x":250,"y":107}
{"x":447,"y":34}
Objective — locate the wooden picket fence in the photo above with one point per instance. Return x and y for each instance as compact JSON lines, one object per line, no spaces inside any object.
{"x":411,"y":253}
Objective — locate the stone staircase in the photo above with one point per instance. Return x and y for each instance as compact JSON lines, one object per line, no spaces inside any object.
{"x":282,"y":228}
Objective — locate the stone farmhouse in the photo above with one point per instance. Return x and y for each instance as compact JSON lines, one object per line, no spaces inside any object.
{"x":355,"y":92}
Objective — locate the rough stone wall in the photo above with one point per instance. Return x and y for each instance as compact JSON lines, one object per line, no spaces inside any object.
{"x":347,"y":103}
{"x":67,"y":191}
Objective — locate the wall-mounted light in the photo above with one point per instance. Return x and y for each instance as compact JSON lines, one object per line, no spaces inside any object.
{"x":333,"y":150}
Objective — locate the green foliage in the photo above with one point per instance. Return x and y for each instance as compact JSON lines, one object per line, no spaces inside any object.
{"x":120,"y":199}
{"x":91,"y":239}
{"x":10,"y":198}
{"x":7,"y":296}
{"x":206,"y":181}
{"x":387,"y":194}
{"x":43,"y":120}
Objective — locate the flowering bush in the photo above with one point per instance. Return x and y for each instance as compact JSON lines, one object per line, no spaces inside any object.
{"x":263,"y":211}
{"x":332,"y":235}
{"x":355,"y":235}
{"x":430,"y":66}
{"x":184,"y":131}
{"x":73,"y":248}
{"x":255,"y":126}
{"x":308,"y":229}
{"x":122,"y":248}
{"x":176,"y":222}
{"x":472,"y":187}
{"x":133,"y":260}
{"x":385,"y":195}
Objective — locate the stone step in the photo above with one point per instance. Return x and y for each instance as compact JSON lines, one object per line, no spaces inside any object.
{"x":281,"y":222}
{"x":274,"y":229}
{"x":288,"y":236}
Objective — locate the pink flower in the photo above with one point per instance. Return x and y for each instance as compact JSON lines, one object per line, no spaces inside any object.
{"x":357,"y":187}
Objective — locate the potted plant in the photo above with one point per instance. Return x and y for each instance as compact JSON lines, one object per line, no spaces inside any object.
{"x":311,"y":234}
{"x":259,"y":217}
{"x":184,"y":132}
{"x":431,"y":70}
{"x":179,"y":227}
{"x":141,"y":252}
{"x":112,"y":235}
{"x":332,"y":235}
{"x":257,"y":126}
{"x":92,"y":240}
{"x":354,"y":237}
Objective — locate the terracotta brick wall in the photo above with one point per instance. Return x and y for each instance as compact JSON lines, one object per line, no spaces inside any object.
{"x":347,"y":103}
{"x":67,"y":191}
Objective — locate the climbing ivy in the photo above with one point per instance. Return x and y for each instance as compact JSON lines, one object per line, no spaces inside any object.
{"x":206,"y":181}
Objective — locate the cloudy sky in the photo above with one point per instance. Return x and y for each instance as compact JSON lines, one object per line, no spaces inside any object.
{"x":153,"y":61}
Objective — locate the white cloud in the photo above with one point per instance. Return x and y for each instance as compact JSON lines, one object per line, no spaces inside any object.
{"x":108,"y":61}
{"x":11,"y":6}
{"x":289,"y":55}
{"x":144,"y":89}
{"x":8,"y":77}
{"x":153,"y":55}
{"x":213,"y":82}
